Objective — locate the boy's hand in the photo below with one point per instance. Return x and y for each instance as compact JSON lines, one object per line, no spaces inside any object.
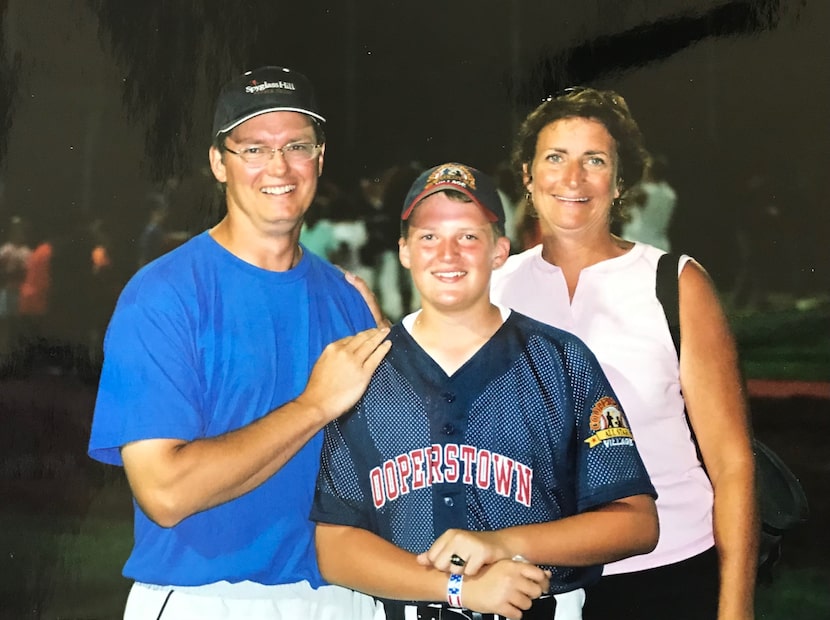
{"x":506,"y":588}
{"x":464,"y":552}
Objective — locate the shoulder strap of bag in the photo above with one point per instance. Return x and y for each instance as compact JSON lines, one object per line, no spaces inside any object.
{"x":668,"y":294}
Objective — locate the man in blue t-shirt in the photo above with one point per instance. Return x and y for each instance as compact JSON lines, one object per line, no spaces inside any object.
{"x":223,"y":361}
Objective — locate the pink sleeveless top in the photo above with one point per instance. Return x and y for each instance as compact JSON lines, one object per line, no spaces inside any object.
{"x":615,"y":311}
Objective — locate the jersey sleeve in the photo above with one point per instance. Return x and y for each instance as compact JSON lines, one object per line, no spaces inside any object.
{"x":339,"y":498}
{"x":149,"y":386}
{"x":609,"y":466}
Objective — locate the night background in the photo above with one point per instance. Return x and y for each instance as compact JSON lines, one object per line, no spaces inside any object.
{"x":102,"y":101}
{"x":105,"y":102}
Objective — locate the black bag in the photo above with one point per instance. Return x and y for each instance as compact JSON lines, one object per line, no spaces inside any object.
{"x":781,"y":499}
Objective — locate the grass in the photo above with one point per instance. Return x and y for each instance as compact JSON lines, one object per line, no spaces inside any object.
{"x":66,"y":566}
{"x":785,"y":344}
{"x":796,"y":593}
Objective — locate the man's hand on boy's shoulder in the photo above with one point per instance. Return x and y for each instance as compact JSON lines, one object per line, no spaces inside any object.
{"x":343,"y":370}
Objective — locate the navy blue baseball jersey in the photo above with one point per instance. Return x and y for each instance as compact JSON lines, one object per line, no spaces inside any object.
{"x":526,"y":431}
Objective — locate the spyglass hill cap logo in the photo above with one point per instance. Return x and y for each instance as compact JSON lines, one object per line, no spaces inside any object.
{"x":267,"y":89}
{"x":476,"y":185}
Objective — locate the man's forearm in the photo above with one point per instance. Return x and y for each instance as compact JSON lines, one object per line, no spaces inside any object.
{"x":172,"y":479}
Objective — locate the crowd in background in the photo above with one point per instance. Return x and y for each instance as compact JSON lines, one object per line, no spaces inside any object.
{"x":59,"y":284}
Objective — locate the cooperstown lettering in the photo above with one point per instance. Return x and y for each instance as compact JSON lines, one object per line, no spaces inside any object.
{"x":450,"y":463}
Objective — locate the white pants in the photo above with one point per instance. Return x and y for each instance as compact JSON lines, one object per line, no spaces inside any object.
{"x":569,"y":605}
{"x":249,"y":601}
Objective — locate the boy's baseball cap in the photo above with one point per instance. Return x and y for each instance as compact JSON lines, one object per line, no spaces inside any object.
{"x":267,"y":89}
{"x":473,"y":183}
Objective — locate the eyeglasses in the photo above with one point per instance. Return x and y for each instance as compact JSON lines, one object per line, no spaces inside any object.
{"x":293,"y":153}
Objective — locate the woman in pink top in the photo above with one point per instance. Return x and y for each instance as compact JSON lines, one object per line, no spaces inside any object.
{"x":577,"y":154}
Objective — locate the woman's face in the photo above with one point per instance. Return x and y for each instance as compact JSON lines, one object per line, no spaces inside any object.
{"x":573,"y":176}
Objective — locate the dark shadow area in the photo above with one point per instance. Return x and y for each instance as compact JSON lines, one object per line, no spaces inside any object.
{"x":793,"y":428}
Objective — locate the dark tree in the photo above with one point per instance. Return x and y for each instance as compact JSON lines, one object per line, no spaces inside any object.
{"x":9,"y":75}
{"x":176,"y":54}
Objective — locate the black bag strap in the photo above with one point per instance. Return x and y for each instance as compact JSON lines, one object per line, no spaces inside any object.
{"x":668,"y":294}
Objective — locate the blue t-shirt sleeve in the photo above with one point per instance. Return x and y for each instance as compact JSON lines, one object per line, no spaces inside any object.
{"x":149,"y":386}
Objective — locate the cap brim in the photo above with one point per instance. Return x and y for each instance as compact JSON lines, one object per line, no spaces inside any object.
{"x":444,"y":187}
{"x":248,"y":117}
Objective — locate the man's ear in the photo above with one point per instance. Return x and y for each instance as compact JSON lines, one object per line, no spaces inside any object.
{"x":501,"y":252}
{"x":403,"y":252}
{"x":217,"y":164}
{"x":320,"y":159}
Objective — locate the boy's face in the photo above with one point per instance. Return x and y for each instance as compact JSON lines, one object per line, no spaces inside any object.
{"x":451,"y":250}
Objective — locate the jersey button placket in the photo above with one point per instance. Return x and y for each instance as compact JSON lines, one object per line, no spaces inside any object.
{"x":449,"y":499}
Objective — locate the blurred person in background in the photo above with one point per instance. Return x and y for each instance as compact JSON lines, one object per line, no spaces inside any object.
{"x":401,"y":296}
{"x":14,"y":254}
{"x":651,"y":208}
{"x":36,"y":288}
{"x":153,"y":239}
{"x":380,"y":251}
{"x":510,"y":200}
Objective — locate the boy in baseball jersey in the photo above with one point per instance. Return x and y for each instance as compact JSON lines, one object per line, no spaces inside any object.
{"x":488,"y":471}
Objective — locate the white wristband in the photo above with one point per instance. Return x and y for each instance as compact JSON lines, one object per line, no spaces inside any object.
{"x":454,"y":591}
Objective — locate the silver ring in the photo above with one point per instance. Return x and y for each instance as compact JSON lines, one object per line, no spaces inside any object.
{"x":457,"y":560}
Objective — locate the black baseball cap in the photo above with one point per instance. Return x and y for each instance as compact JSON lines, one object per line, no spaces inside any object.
{"x":267,"y":89}
{"x":476,"y":185}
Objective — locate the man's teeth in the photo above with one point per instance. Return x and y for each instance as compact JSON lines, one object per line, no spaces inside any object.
{"x":449,"y":274}
{"x":277,"y":191}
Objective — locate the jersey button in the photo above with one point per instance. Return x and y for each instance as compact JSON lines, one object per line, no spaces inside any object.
{"x":448,"y":429}
{"x":449,"y":397}
{"x":448,"y":501}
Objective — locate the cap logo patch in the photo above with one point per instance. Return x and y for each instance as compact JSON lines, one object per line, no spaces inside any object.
{"x":456,"y":174}
{"x":608,"y":424}
{"x":258,"y":88}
